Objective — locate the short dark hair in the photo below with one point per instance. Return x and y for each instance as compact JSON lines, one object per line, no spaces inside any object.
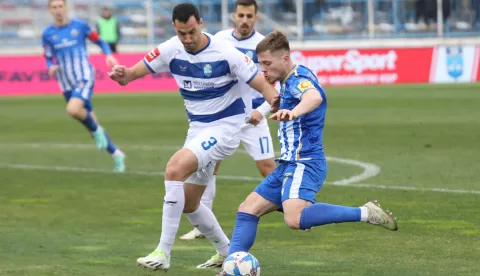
{"x":274,"y":41}
{"x":183,"y":12}
{"x":246,"y":3}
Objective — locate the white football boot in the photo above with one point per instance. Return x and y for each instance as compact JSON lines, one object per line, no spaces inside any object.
{"x":194,"y":234}
{"x":215,"y":261}
{"x":155,"y":261}
{"x":380,"y":217}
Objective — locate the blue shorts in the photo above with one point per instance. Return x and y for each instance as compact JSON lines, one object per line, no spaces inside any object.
{"x":294,"y":180}
{"x":83,"y":92}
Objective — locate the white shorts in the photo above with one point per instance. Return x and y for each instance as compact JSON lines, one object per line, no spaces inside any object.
{"x":210,"y":144}
{"x":257,"y":141}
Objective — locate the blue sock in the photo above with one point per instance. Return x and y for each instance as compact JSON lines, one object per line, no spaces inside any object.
{"x":111,"y":148}
{"x":322,"y":213}
{"x":89,"y":122}
{"x":244,"y":233}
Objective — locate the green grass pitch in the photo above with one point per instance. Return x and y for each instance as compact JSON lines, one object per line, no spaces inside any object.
{"x":413,"y":147}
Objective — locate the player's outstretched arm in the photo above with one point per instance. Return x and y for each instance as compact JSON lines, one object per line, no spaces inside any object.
{"x":123,"y":75}
{"x":268,"y":91}
{"x":310,"y":100}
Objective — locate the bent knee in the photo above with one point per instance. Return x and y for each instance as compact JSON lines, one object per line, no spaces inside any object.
{"x":74,"y":110}
{"x":293,"y":222}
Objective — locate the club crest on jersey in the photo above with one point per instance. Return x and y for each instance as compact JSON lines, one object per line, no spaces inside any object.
{"x":74,"y":33}
{"x":454,"y":59}
{"x":305,"y":85}
{"x":207,"y":70}
{"x":249,"y":54}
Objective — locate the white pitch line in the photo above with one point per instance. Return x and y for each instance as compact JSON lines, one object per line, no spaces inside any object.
{"x":369,"y":169}
{"x":232,"y":177}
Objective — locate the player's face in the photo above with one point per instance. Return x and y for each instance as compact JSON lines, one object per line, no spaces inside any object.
{"x":58,"y":9}
{"x":245,"y":18}
{"x":273,"y":65}
{"x":190,"y":33}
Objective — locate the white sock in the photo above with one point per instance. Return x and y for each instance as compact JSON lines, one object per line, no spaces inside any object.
{"x":206,"y":222}
{"x":363,"y":214}
{"x":117,"y":152}
{"x":209,"y":194}
{"x":173,"y":204}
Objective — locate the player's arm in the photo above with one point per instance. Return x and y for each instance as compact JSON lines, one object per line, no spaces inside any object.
{"x":153,"y":62}
{"x":48,"y":55}
{"x":310,"y":98}
{"x":94,"y":37}
{"x":260,"y":84}
{"x":247,"y":71}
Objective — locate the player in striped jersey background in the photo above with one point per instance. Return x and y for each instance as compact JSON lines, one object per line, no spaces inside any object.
{"x":66,"y":56}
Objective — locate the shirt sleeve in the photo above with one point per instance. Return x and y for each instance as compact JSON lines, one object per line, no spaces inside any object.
{"x":48,"y":52}
{"x":241,"y":65}
{"x":159,"y":58}
{"x":301,"y":86}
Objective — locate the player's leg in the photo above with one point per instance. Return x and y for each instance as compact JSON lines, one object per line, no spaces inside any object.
{"x":203,"y":219}
{"x":264,"y":199}
{"x":80,"y":104}
{"x":117,"y":154}
{"x":258,"y":143}
{"x":202,"y":148}
{"x":180,"y":166}
{"x":301,"y":212}
{"x":207,"y":200}
{"x":76,"y":108}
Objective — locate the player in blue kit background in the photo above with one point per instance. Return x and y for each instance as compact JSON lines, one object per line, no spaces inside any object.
{"x":66,"y":55}
{"x":294,"y":183}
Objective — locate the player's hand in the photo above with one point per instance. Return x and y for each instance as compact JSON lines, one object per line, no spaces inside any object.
{"x":111,"y":61}
{"x":275,"y":104}
{"x":119,"y":74}
{"x":284,"y":115}
{"x":53,"y":70}
{"x":255,"y":117}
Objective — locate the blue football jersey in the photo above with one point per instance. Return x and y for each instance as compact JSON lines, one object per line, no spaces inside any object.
{"x":301,"y":139}
{"x":68,"y":46}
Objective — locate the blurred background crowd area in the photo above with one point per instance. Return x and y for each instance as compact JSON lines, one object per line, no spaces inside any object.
{"x":22,"y":21}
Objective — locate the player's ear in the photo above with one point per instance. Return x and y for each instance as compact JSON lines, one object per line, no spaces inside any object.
{"x":233,"y":16}
{"x":200,"y":22}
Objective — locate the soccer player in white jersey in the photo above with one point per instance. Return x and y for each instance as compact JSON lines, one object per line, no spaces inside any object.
{"x":256,"y":138}
{"x":212,"y":78}
{"x":66,"y":56}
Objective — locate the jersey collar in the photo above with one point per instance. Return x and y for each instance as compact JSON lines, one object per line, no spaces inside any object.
{"x":240,"y":39}
{"x":290,"y":73}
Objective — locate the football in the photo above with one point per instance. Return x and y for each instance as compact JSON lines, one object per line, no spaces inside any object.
{"x":241,"y":264}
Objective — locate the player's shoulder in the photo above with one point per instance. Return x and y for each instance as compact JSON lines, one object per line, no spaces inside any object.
{"x":48,"y":30}
{"x":258,"y":35}
{"x":79,"y":21}
{"x":224,"y":33}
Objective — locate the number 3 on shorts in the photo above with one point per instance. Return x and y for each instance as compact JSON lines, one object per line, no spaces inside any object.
{"x":206,"y":145}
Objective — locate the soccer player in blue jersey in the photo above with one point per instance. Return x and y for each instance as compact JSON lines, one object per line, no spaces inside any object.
{"x":65,"y":47}
{"x":293,"y":184}
{"x":214,"y":80}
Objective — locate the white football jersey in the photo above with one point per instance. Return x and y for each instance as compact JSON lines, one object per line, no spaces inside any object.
{"x":248,"y":47}
{"x":211,"y":81}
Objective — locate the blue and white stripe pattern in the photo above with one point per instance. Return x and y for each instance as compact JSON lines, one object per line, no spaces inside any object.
{"x":301,"y":139}
{"x":211,"y":81}
{"x":67,"y":44}
{"x":248,"y":47}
